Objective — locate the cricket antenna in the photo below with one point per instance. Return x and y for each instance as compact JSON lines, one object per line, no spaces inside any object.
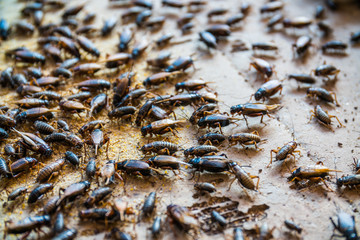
{"x":119,"y":155}
{"x":292,"y":125}
{"x":223,"y":103}
{"x":157,"y":189}
{"x":337,"y":206}
{"x":128,"y":75}
{"x":183,"y":111}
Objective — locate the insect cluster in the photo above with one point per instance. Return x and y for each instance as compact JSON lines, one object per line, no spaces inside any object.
{"x":71,"y":96}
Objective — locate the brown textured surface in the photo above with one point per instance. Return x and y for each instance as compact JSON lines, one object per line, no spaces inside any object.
{"x":310,"y":207}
